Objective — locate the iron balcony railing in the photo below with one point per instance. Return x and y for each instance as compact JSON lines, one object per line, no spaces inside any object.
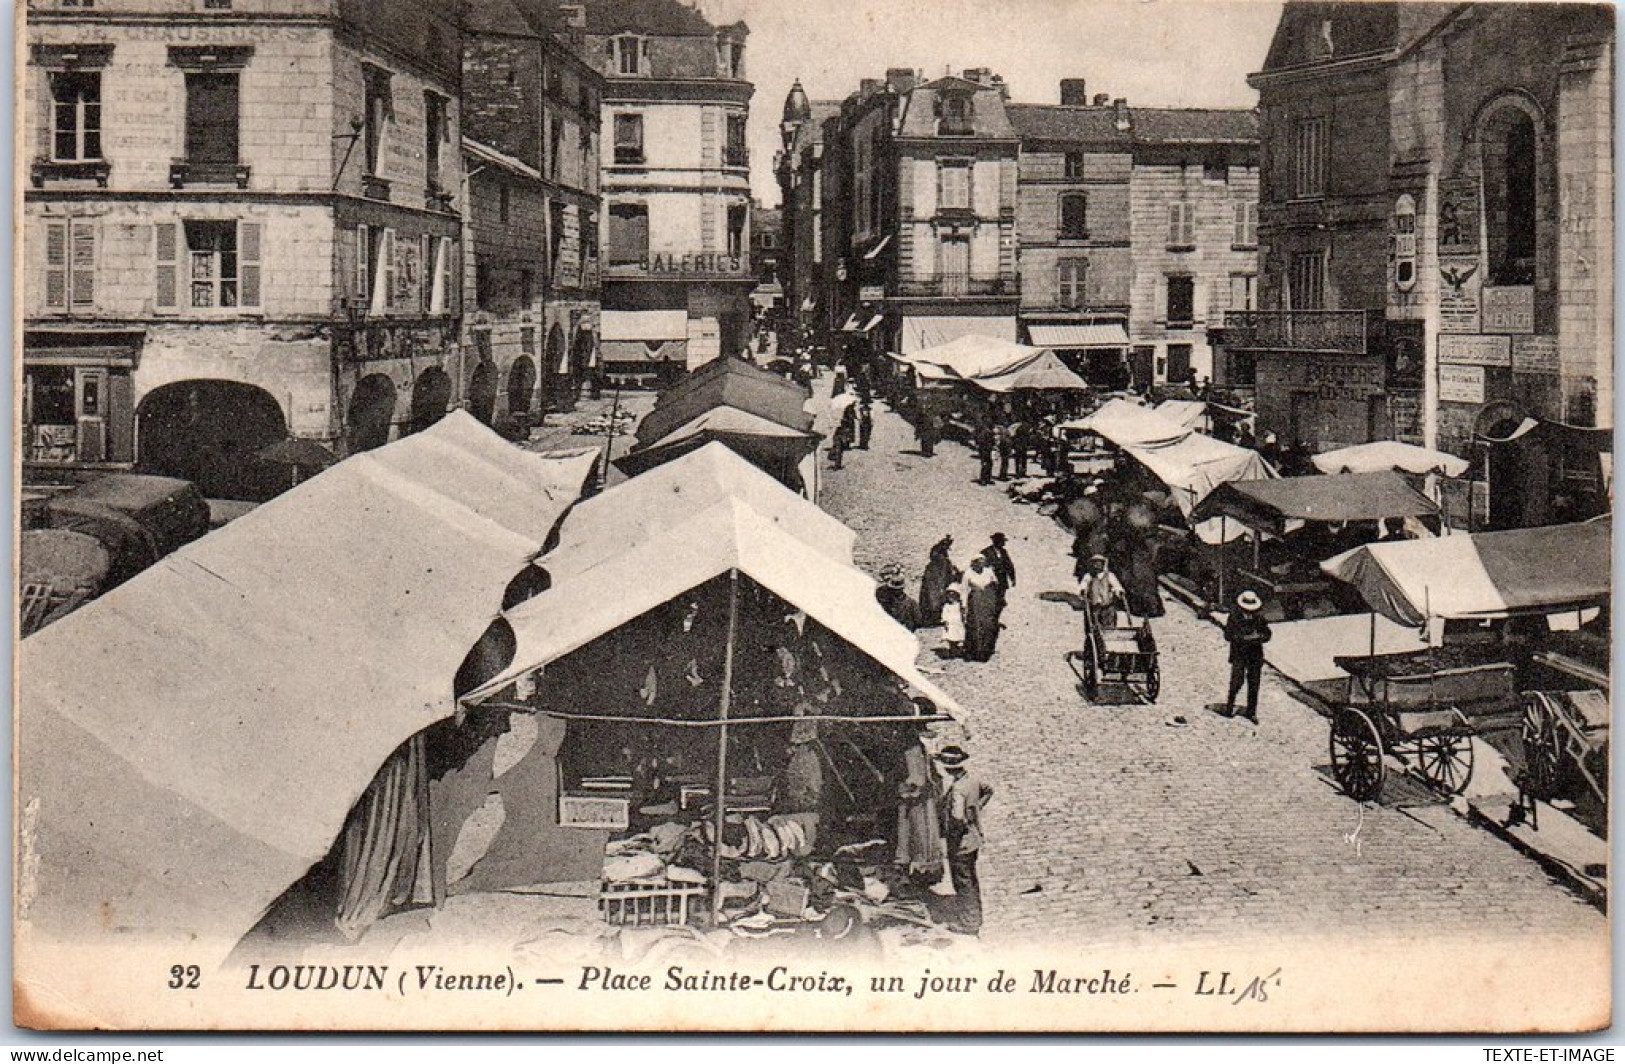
{"x":960,"y":284}
{"x":1316,"y":331}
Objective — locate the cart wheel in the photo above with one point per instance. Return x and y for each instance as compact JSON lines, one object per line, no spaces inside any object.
{"x":1540,"y":749}
{"x":1091,"y":672}
{"x":1153,"y":681}
{"x":1446,"y":761}
{"x":1356,"y":749}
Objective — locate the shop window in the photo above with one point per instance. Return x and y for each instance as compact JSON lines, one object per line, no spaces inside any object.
{"x":377,"y":107}
{"x":1508,"y":153}
{"x":1181,"y":302}
{"x":208,"y":264}
{"x":1073,"y":165}
{"x":628,"y":234}
{"x":1071,"y":276}
{"x":1075,"y":216}
{"x":70,"y":264}
{"x":628,"y":140}
{"x":953,"y":186}
{"x":1306,"y":288}
{"x":76,"y":116}
{"x":1245,"y":234}
{"x":65,"y":413}
{"x":212,"y":114}
{"x":1309,"y":157}
{"x":1181,"y":224}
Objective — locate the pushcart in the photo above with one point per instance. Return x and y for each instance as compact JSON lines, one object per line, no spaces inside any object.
{"x":1419,"y":709}
{"x":1565,"y":748}
{"x":1124,"y":652}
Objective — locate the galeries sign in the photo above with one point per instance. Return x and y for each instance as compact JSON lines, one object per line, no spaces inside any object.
{"x":700,"y":263}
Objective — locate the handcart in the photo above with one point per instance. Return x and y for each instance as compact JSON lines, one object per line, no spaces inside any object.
{"x":1123,"y":651}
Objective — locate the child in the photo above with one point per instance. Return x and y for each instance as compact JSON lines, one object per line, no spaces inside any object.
{"x":953,"y":622}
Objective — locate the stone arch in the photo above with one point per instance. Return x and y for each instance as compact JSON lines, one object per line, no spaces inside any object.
{"x":482,"y":392}
{"x":372,"y":409}
{"x":431,"y":396}
{"x":522,"y":388}
{"x":1509,"y":138}
{"x":210,"y":432}
{"x":558,"y":369}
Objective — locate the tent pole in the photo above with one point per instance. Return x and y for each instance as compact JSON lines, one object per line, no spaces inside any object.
{"x":719,"y":795}
{"x":1373,"y":633}
{"x":609,"y":433}
{"x":1224,"y":536}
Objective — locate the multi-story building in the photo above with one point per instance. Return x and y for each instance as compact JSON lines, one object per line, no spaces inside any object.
{"x":924,"y":248}
{"x":676,"y":184}
{"x":238,"y":225}
{"x":1436,"y":241}
{"x":800,"y":170}
{"x":1137,"y":229}
{"x":531,"y":114}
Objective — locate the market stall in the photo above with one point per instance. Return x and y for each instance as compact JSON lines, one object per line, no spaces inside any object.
{"x":1305,"y":520}
{"x":728,"y":655}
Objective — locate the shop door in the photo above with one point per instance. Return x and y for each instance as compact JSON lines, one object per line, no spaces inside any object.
{"x":1179,"y":363}
{"x":65,"y":414}
{"x":1142,"y":367}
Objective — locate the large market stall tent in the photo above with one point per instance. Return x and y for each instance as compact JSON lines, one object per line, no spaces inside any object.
{"x":1484,"y":575}
{"x":1390,"y":455}
{"x":191,"y":743}
{"x":1282,"y":504}
{"x":970,"y":357}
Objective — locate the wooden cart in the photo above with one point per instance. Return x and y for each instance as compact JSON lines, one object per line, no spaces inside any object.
{"x":1418,"y":708}
{"x":1124,"y":652}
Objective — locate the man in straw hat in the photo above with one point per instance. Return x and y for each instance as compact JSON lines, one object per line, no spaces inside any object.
{"x":1247,"y":632}
{"x":964,"y":796}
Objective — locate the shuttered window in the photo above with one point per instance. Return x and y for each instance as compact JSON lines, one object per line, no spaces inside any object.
{"x":167,"y":253}
{"x":220,"y":263}
{"x":1181,"y":225}
{"x":70,"y":264}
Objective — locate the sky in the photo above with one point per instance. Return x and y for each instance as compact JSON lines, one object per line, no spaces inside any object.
{"x":1168,"y":53}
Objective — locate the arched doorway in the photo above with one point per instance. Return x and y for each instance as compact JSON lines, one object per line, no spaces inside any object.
{"x":522,"y":390}
{"x":372,"y":408}
{"x":210,"y":433}
{"x":1505,"y":465}
{"x":431,"y":395}
{"x":482,"y":392}
{"x":582,"y":360}
{"x":558,"y":367}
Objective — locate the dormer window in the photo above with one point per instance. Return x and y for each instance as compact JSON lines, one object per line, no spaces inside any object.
{"x":954,"y":114}
{"x":629,"y":55}
{"x":730,"y":58}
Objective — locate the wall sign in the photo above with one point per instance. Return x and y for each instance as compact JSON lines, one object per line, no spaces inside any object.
{"x":872,"y":293}
{"x":1509,"y":309}
{"x":1475,"y":350}
{"x":1461,"y":384}
{"x":1535,"y":354}
{"x":1458,"y":218}
{"x":1460,"y":285}
{"x":1403,"y":248}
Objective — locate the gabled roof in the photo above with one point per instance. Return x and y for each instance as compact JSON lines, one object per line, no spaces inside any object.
{"x":656,"y":18}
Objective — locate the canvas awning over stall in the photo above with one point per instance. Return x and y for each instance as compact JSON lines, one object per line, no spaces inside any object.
{"x":1279,"y":505}
{"x":1043,"y":372}
{"x":730,"y":535}
{"x":1128,"y":424}
{"x":922,"y":332}
{"x":1187,"y":412}
{"x":648,"y":504}
{"x":726,"y":382}
{"x":192,"y":742}
{"x":766,"y":443}
{"x":1484,"y":575}
{"x":971,"y":358}
{"x":1390,"y":454}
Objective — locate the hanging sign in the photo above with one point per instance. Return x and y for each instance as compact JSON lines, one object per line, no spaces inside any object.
{"x":1459,"y":291}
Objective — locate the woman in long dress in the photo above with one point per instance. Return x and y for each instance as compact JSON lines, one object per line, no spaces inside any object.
{"x":934,"y":583}
{"x":982,"y":596}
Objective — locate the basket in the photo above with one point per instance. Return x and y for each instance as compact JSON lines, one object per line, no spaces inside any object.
{"x":648,"y":905}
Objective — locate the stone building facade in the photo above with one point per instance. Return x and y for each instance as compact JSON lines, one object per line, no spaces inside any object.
{"x":235,"y":229}
{"x":531,"y":108}
{"x":676,"y":184}
{"x":800,"y":171}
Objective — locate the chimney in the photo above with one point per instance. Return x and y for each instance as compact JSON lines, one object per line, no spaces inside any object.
{"x":899,"y":79}
{"x":1074,"y":92}
{"x":977,"y":74}
{"x":869,"y":86}
{"x":1120,"y":107}
{"x":1103,"y":99}
{"x":1004,"y":90}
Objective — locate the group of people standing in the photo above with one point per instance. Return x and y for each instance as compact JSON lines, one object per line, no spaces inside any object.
{"x":968,"y":603}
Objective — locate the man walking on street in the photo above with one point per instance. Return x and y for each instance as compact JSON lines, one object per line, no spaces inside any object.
{"x":1247,"y":632}
{"x":964,"y":797}
{"x":1001,"y":441}
{"x":1003,"y":566}
{"x":866,"y":422}
{"x":984,"y":450}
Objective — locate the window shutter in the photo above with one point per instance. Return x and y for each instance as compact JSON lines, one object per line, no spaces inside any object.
{"x":384,"y":271}
{"x":248,"y":262}
{"x":363,"y":263}
{"x":56,"y":264}
{"x":167,"y":256}
{"x":442,"y":266}
{"x":643,"y":55}
{"x":426,"y":274}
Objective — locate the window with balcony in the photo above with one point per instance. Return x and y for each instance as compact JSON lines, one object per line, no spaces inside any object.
{"x":628,"y":140}
{"x":628,"y":234}
{"x":1075,"y":216}
{"x":1181,"y":224}
{"x":1306,"y":286}
{"x":1245,"y":234}
{"x":1073,"y":165}
{"x":953,"y":186}
{"x":217,"y":262}
{"x":76,"y":116}
{"x":735,"y":151}
{"x":629,"y":55}
{"x":738,"y":217}
{"x":436,"y":131}
{"x":953,"y":265}
{"x":1309,"y":157}
{"x":1071,"y":277}
{"x":70,"y":264}
{"x":1243,"y":291}
{"x":377,"y":107}
{"x":212,"y":112}
{"x":1181,"y":302}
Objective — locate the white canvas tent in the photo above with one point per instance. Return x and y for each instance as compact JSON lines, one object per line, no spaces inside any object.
{"x":191,"y":743}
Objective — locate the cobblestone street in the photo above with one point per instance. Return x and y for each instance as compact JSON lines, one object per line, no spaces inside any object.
{"x":1117,"y":824}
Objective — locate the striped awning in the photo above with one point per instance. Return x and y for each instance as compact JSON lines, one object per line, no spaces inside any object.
{"x":1078,"y":336}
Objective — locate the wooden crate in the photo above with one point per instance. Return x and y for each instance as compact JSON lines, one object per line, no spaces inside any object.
{"x":644,"y":905}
